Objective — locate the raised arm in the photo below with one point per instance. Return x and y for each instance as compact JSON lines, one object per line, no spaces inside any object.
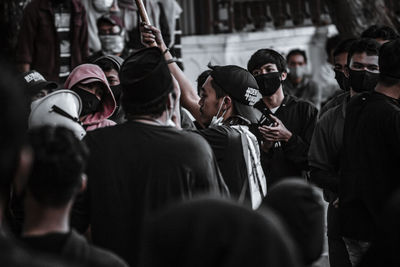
{"x":151,"y":36}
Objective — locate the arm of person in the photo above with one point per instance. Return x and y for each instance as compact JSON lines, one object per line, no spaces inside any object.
{"x":24,"y":67}
{"x":296,"y":146}
{"x":323,"y":157}
{"x":151,"y":36}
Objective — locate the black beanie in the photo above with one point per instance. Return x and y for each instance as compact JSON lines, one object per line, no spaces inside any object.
{"x":145,"y":77}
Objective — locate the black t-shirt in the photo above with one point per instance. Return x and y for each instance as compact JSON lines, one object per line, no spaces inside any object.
{"x":370,"y":162}
{"x":226,"y":143}
{"x":136,"y":169}
{"x":74,"y":248}
{"x":13,"y":254}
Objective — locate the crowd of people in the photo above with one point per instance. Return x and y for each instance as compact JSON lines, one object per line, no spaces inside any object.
{"x":110,"y":157}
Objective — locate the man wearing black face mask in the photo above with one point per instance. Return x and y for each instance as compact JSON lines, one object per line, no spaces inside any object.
{"x":340,"y":62}
{"x":287,"y":124}
{"x":326,"y":144}
{"x":371,"y":153}
{"x":111,"y":66}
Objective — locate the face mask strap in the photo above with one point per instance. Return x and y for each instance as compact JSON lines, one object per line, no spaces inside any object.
{"x":216,"y":120}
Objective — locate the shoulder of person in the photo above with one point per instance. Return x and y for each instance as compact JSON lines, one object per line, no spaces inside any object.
{"x":101,"y":257}
{"x":95,"y":256}
{"x":219,"y":130}
{"x":300,"y":104}
{"x":330,"y":115}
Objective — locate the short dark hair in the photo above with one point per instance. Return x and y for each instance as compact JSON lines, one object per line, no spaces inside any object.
{"x":380,"y":32}
{"x":202,"y":79}
{"x":363,"y":45}
{"x":295,"y":52}
{"x":344,"y":46}
{"x":154,"y":108}
{"x":14,"y":124}
{"x":59,"y":162}
{"x":106,"y":65}
{"x":265,"y":56}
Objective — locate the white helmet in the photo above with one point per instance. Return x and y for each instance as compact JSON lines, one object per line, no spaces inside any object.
{"x":60,"y":108}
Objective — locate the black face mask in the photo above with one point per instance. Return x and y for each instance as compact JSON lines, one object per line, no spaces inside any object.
{"x":362,"y":80}
{"x":116,"y":89}
{"x":90,"y":103}
{"x":342,"y":80}
{"x":268,"y":83}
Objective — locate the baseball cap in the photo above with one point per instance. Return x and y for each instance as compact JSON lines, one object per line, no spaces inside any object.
{"x":36,"y":82}
{"x":241,"y":86}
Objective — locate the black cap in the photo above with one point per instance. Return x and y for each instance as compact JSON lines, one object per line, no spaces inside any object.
{"x":35,"y":82}
{"x":145,"y":77}
{"x":241,"y":86}
{"x":389,"y":56}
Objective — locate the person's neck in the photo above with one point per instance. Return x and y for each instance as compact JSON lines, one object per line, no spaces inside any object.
{"x":390,"y":91}
{"x":40,"y":220}
{"x":274,"y":100}
{"x":296,"y":81}
{"x":151,"y":120}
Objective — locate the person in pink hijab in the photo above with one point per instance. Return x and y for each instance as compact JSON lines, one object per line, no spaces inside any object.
{"x":98,"y":103}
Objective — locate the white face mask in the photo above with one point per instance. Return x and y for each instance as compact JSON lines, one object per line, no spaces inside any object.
{"x":102,"y":5}
{"x":215,"y":121}
{"x":112,"y":44}
{"x":298,"y":72}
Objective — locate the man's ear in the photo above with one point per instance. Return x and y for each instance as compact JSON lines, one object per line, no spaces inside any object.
{"x":283,"y":75}
{"x":227,"y":102}
{"x":25,"y":160}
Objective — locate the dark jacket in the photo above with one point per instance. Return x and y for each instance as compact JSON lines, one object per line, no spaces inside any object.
{"x":370,"y":163}
{"x":291,"y":158}
{"x":38,"y":43}
{"x":76,"y":249}
{"x":337,"y":100}
{"x":12,"y":254}
{"x":226,"y":143}
{"x":325,"y":148}
{"x":134,"y":170}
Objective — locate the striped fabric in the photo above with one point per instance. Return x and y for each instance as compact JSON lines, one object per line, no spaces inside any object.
{"x":62,"y":18}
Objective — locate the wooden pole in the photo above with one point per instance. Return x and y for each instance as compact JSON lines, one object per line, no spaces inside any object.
{"x":142,"y":12}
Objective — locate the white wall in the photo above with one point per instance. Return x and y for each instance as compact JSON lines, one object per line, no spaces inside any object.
{"x":236,"y":48}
